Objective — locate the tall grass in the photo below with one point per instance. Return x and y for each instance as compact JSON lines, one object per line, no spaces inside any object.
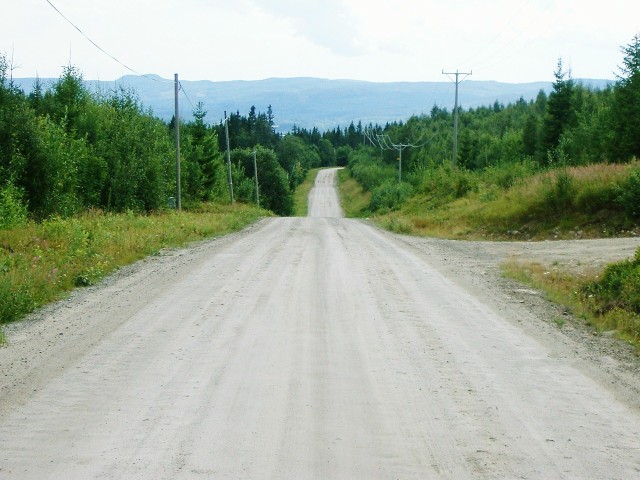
{"x":518,"y":202}
{"x":301,"y":194}
{"x":40,"y":262}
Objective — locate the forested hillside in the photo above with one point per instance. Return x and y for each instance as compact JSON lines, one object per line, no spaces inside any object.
{"x":501,"y":145}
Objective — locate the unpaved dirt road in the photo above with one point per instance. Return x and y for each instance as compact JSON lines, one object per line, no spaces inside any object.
{"x":309,"y":348}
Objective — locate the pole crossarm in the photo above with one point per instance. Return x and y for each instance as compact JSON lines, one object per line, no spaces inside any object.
{"x":457,"y":74}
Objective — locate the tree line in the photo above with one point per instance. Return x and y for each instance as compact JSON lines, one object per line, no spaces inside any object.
{"x":571,"y":125}
{"x":64,"y":149}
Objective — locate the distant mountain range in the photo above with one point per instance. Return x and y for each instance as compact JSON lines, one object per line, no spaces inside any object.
{"x":309,"y":102}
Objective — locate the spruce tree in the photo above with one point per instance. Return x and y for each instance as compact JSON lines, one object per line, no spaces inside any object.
{"x":626,"y":105}
{"x":560,"y":114}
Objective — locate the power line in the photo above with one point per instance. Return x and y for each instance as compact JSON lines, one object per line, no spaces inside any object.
{"x":384,"y":142}
{"x":509,"y":24}
{"x":501,"y":54}
{"x":98,"y":46}
{"x":186,"y":96}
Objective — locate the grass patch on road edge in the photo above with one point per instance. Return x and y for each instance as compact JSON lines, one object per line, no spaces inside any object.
{"x":301,"y":195}
{"x":42,"y":262}
{"x":353,"y":199}
{"x":587,"y":295}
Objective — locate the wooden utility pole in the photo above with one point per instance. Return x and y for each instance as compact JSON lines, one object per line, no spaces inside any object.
{"x":177,"y":130}
{"x":455,"y":110}
{"x":255,"y":170}
{"x":229,"y":177}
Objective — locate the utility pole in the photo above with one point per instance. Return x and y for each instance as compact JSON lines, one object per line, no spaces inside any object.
{"x":383,"y":141}
{"x":255,"y":169}
{"x":177,"y":129}
{"x":229,"y":178}
{"x":455,"y":109}
{"x":400,"y":148}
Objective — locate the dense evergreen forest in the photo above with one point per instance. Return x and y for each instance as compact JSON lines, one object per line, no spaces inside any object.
{"x":64,"y":150}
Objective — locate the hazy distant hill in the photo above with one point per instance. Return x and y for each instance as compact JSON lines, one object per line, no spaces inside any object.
{"x":309,"y":102}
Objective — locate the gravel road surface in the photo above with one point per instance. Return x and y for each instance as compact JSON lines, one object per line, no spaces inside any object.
{"x":313,"y":348}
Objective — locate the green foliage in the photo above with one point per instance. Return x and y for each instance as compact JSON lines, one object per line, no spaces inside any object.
{"x":297,"y":158}
{"x":443,"y":183}
{"x":507,"y":175}
{"x":248,"y":131}
{"x":369,"y":171}
{"x":560,"y":109}
{"x":13,"y":212}
{"x":626,"y":105}
{"x":619,"y":287}
{"x":342,"y":155}
{"x":629,"y":195}
{"x":327,"y":153}
{"x":67,"y":150}
{"x":559,"y":191}
{"x":353,"y":199}
{"x":390,"y":195}
{"x":39,"y":262}
{"x":275,"y":194}
{"x":137,"y":153}
{"x":202,"y":162}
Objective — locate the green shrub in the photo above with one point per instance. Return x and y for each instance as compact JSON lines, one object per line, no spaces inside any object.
{"x":506,"y":175}
{"x":368,"y":171}
{"x":629,"y":196}
{"x":560,"y":191}
{"x":13,"y":212}
{"x":619,"y":287}
{"x":444,"y":183}
{"x":390,"y":195}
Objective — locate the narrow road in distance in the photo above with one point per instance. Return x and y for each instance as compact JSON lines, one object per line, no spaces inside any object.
{"x":302,"y":348}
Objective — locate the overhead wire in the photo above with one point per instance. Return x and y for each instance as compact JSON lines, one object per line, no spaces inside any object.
{"x":149,"y":77}
{"x":100,"y":48}
{"x":493,"y":58}
{"x":184,"y":92}
{"x":485,"y":63}
{"x":495,"y":37}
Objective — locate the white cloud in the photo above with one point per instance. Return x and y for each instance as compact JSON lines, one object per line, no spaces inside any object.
{"x":411,"y":40}
{"x":326,"y":23}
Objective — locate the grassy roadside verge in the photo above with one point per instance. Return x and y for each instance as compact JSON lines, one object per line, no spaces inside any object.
{"x":609,"y":300}
{"x":354,"y":200}
{"x":301,"y":195}
{"x":514,"y":202}
{"x":41,"y":262}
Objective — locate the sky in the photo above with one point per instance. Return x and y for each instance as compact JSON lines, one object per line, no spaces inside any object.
{"x":374,"y":40}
